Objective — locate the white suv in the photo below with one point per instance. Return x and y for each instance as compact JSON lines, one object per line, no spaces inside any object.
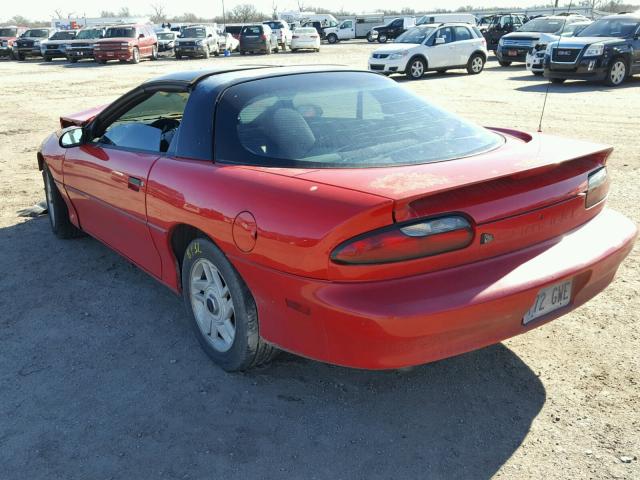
{"x":438,"y":47}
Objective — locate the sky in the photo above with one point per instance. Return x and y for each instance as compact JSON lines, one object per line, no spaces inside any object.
{"x":44,"y":9}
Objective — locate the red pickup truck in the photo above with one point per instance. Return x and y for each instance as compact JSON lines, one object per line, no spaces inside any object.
{"x":127,"y":43}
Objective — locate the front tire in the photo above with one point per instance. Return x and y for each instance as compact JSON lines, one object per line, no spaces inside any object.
{"x":475,"y":65}
{"x":332,"y":38}
{"x":222,"y":310}
{"x":415,"y":69}
{"x":135,"y":55}
{"x":617,"y":73}
{"x":61,"y":226}
{"x":382,"y":38}
{"x":154,"y":53}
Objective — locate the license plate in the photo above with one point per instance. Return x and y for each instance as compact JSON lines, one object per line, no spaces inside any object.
{"x":110,"y":54}
{"x":512,"y":53}
{"x":564,"y":53}
{"x":549,"y":299}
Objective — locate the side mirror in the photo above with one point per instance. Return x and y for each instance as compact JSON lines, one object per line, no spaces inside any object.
{"x":141,"y":35}
{"x":210,"y":35}
{"x":71,"y":137}
{"x":439,"y":41}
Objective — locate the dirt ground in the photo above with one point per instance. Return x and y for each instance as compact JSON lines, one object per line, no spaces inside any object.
{"x":101,"y":377}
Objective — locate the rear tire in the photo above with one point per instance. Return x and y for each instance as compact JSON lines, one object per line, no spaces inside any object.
{"x":73,"y":60}
{"x":221,"y":308}
{"x":61,"y":226}
{"x":370,"y":38}
{"x":154,"y":53}
{"x":475,"y":65}
{"x":382,"y":38}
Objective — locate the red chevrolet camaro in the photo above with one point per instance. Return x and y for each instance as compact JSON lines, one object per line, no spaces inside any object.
{"x":334,"y":214}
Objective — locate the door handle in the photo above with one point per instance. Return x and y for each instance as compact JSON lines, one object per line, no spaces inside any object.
{"x":135,"y":184}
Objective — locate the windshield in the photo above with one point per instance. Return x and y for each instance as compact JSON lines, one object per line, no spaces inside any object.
{"x":121,"y":32}
{"x":543,"y":25}
{"x":574,"y":29}
{"x":64,"y":36}
{"x":611,"y":27}
{"x":198,"y":32}
{"x":39,"y":33}
{"x":8,"y":32}
{"x":340,"y":120}
{"x":415,"y":35}
{"x":91,"y":33}
{"x":166,"y":36}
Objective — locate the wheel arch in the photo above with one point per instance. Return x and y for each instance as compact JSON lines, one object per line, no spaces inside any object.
{"x":422,"y":57}
{"x":479,"y":52}
{"x":180,"y":236}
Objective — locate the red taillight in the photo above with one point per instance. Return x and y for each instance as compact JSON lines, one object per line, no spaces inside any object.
{"x":598,"y":187}
{"x":406,"y":241}
{"x":263,"y":37}
{"x":313,"y":36}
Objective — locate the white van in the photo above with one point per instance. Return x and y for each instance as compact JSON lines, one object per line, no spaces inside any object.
{"x":447,"y":17}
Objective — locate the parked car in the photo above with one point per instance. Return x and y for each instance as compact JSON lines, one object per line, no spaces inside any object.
{"x":608,"y":50}
{"x":8,"y":35}
{"x":514,"y":47}
{"x":28,"y":44}
{"x":228,"y":42}
{"x":378,"y":233}
{"x":127,"y":43}
{"x":535,"y":56}
{"x":500,"y":25}
{"x":258,"y":38}
{"x":198,"y":41}
{"x":391,"y":30}
{"x":319,"y":28}
{"x":167,"y":43}
{"x":305,"y":38}
{"x":234,"y":30}
{"x":81,"y":47}
{"x":439,"y":47}
{"x":56,"y":46}
{"x":281,"y":30}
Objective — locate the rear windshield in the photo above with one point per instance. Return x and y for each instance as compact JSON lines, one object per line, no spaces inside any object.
{"x":252,"y":31}
{"x":118,"y":32}
{"x":8,"y":32}
{"x":64,"y":36}
{"x":611,"y":27}
{"x":233,"y":29}
{"x":339,"y":120}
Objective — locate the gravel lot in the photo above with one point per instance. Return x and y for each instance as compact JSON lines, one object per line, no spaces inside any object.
{"x":101,"y":377}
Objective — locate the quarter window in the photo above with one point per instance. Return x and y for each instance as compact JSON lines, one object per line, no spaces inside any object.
{"x":462,"y":33}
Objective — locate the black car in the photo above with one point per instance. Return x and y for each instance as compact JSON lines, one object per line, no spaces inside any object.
{"x":29,"y":43}
{"x":608,"y":50}
{"x":257,"y":38}
{"x":391,"y":30}
{"x":501,"y":24}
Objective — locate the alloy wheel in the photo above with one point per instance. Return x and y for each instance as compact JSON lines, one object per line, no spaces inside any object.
{"x":618,"y":72}
{"x":212,"y":305}
{"x":477,"y":64}
{"x":417,"y":69}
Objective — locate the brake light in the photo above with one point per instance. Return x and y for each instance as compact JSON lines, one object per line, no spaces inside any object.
{"x":406,"y":241}
{"x":313,"y":36}
{"x":263,"y":37}
{"x":598,"y":187}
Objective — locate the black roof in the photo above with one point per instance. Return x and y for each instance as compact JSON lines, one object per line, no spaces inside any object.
{"x":237,"y":73}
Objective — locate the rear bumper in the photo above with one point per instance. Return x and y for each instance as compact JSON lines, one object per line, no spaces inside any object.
{"x":416,"y":320}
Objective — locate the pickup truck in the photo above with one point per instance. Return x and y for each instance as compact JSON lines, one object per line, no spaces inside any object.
{"x":28,"y":44}
{"x":81,"y":47}
{"x":56,"y":46}
{"x":391,"y":30}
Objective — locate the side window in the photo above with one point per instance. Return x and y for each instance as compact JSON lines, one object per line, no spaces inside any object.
{"x":462,"y":33}
{"x":397,"y":23}
{"x":347,"y":24}
{"x":506,"y":21}
{"x":446,"y":33}
{"x":150,"y":125}
{"x":517,"y":21}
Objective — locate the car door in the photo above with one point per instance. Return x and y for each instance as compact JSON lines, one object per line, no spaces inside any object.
{"x":464,"y":44}
{"x":635,"y":43}
{"x":346,"y":30}
{"x":441,"y":52}
{"x":106,"y":176}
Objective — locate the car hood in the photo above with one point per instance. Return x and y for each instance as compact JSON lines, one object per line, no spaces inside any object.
{"x":395,"y":47}
{"x":584,"y":41}
{"x":8,"y":38}
{"x":116,"y":39}
{"x":82,"y":40}
{"x":190,"y":39}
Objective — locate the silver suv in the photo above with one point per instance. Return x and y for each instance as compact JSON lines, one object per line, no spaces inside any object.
{"x":198,"y":41}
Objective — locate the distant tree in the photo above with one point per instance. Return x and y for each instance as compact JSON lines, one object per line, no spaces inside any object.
{"x":124,"y":12}
{"x":244,"y":13}
{"x":107,"y":14}
{"x":19,"y":20}
{"x":159,"y":13}
{"x":58,"y":13}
